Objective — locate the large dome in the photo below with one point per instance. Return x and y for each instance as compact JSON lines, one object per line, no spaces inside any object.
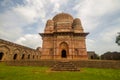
{"x":63,"y":17}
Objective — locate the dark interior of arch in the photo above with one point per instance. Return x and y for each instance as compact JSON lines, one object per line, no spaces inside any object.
{"x":64,"y":54}
{"x":15,"y":56}
{"x":1,"y":55}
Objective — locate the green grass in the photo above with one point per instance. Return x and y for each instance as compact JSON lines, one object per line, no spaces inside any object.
{"x":44,"y":73}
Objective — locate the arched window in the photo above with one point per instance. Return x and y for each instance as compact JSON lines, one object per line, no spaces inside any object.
{"x":23,"y":56}
{"x":29,"y":56}
{"x":15,"y":56}
{"x":33,"y":56}
{"x":1,"y":55}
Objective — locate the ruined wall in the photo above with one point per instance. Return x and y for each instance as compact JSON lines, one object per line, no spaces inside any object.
{"x":11,"y":51}
{"x":79,"y":63}
{"x":111,"y":56}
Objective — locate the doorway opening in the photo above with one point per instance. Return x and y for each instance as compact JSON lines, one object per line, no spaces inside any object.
{"x":15,"y":56}
{"x":63,"y":54}
{"x":29,"y":56}
{"x":91,"y":57}
{"x":23,"y":56}
{"x":1,"y":55}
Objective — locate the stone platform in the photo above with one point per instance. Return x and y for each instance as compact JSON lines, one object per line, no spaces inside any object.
{"x":65,"y":66}
{"x":113,"y":64}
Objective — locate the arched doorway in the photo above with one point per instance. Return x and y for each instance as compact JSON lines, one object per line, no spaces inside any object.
{"x":15,"y":56}
{"x":1,"y":55}
{"x":63,"y":54}
{"x":64,"y":50}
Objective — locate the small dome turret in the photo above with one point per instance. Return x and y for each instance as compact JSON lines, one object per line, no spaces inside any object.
{"x":76,"y":21}
{"x":50,"y":23}
{"x":49,"y":26}
{"x":77,"y":26}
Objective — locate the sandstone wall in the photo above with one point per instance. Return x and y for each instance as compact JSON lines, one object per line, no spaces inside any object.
{"x":12,"y":51}
{"x":78,"y":63}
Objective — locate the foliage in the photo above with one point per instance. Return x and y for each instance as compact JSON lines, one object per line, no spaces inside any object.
{"x":44,"y":73}
{"x":118,"y":39}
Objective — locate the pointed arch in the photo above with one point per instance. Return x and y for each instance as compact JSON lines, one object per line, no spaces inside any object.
{"x":28,"y":56}
{"x":1,"y":55}
{"x":16,"y":51}
{"x":63,"y":53}
{"x":16,"y":54}
{"x":5,"y":51}
{"x":23,"y":56}
{"x":64,"y":50}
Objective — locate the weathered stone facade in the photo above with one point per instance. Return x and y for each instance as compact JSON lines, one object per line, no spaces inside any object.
{"x":92,"y":55}
{"x":113,"y":64}
{"x":11,"y":51}
{"x":64,"y":38}
{"x":110,"y":56}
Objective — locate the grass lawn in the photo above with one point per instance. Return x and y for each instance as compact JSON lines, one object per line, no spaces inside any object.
{"x":44,"y":73}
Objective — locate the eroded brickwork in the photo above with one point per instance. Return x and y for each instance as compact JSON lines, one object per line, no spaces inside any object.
{"x":11,"y":51}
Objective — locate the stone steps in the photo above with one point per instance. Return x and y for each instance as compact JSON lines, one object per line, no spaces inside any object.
{"x":64,"y":66}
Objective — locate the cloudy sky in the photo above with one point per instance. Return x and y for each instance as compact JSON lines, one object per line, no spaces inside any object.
{"x":22,"y":20}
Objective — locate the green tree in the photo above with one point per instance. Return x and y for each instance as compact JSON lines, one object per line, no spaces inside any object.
{"x":118,"y":39}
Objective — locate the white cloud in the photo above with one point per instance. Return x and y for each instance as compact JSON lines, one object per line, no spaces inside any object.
{"x":91,"y":10}
{"x":14,"y":20}
{"x":96,"y":7}
{"x":26,"y":13}
{"x":109,"y":34}
{"x":58,"y":4}
{"x":10,"y":27}
{"x":56,"y":8}
{"x":32,"y":10}
{"x":105,"y":41}
{"x":89,"y":44}
{"x":30,"y":40}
